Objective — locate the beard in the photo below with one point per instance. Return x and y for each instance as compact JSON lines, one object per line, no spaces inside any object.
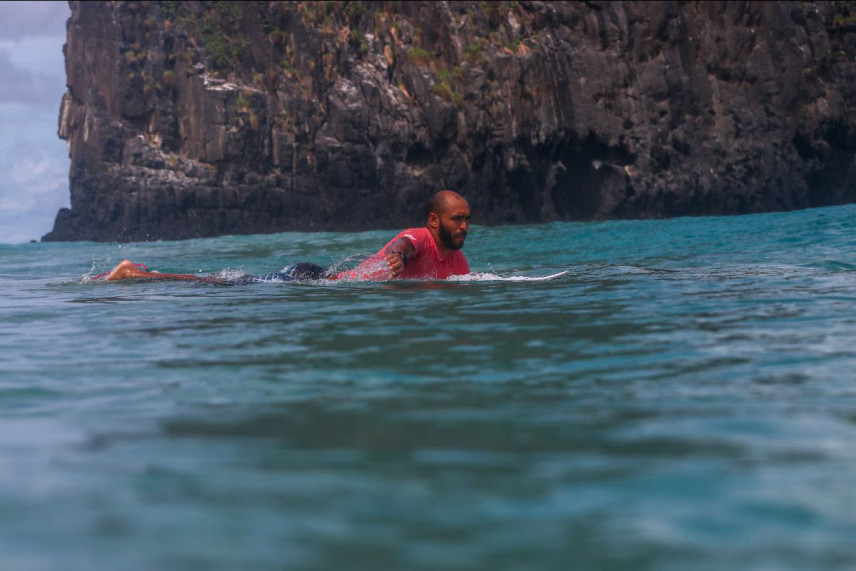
{"x":448,"y":240}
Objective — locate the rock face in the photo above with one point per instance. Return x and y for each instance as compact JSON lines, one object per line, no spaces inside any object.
{"x":190,"y":119}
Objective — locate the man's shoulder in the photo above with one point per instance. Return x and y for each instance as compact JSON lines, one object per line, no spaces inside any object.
{"x":416,"y":235}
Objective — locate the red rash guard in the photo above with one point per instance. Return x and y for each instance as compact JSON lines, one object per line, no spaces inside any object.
{"x":425,"y":262}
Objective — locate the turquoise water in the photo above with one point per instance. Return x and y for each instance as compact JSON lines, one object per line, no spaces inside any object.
{"x":683,"y":398}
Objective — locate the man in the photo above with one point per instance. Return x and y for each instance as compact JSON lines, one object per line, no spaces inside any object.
{"x":433,"y":251}
{"x":429,"y":252}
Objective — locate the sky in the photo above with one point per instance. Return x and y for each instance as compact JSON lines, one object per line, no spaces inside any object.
{"x":34,"y":161}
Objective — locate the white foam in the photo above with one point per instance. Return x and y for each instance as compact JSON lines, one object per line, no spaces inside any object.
{"x":491,"y":277}
{"x":228,"y":274}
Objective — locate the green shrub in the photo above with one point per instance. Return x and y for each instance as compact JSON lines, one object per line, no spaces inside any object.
{"x":444,"y":90}
{"x":419,"y":55}
{"x":473,"y":54}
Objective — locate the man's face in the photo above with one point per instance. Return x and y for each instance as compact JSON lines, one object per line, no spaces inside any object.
{"x":454,"y":223}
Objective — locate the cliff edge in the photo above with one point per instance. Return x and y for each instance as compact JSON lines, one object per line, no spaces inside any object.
{"x":193,"y":119}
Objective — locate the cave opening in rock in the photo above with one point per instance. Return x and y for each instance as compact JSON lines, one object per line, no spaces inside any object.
{"x":587,"y":172}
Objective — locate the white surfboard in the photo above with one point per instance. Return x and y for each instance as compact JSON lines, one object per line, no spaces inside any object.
{"x":489,"y":277}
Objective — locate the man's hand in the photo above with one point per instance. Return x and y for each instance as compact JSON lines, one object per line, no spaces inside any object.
{"x":397,"y":254}
{"x":395,"y":261}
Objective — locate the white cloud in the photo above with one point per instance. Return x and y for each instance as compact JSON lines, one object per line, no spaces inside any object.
{"x":32,"y":19}
{"x":33,"y":161}
{"x":32,"y":190}
{"x":23,"y":227}
{"x":33,"y":182}
{"x":32,"y":70}
{"x":42,"y":56}
{"x":22,"y":86}
{"x":40,"y":176}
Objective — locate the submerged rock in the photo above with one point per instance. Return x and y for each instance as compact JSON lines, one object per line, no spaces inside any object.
{"x":191,"y":119}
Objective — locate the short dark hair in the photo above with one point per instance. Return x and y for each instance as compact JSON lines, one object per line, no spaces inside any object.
{"x":435,"y":205}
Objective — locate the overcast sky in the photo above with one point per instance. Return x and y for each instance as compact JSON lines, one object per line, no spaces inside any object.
{"x":33,"y":160}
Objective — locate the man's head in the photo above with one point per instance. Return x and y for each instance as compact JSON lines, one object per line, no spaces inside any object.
{"x":448,"y":219}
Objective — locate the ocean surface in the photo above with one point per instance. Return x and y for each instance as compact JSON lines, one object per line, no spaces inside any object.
{"x":683,"y":398}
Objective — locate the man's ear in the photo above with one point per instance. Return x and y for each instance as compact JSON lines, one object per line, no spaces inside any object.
{"x":433,"y":220}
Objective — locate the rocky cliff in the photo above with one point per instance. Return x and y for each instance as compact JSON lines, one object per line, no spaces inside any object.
{"x":188,"y":119}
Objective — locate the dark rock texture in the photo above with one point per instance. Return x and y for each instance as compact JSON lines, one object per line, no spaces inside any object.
{"x":188,"y":119}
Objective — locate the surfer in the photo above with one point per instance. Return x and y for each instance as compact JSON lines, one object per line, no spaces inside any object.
{"x":432,"y":251}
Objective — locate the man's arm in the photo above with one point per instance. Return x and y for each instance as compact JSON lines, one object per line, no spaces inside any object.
{"x":126,"y":270}
{"x":397,"y":254}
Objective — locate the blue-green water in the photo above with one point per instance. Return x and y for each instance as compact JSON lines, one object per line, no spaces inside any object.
{"x":684,"y":398}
